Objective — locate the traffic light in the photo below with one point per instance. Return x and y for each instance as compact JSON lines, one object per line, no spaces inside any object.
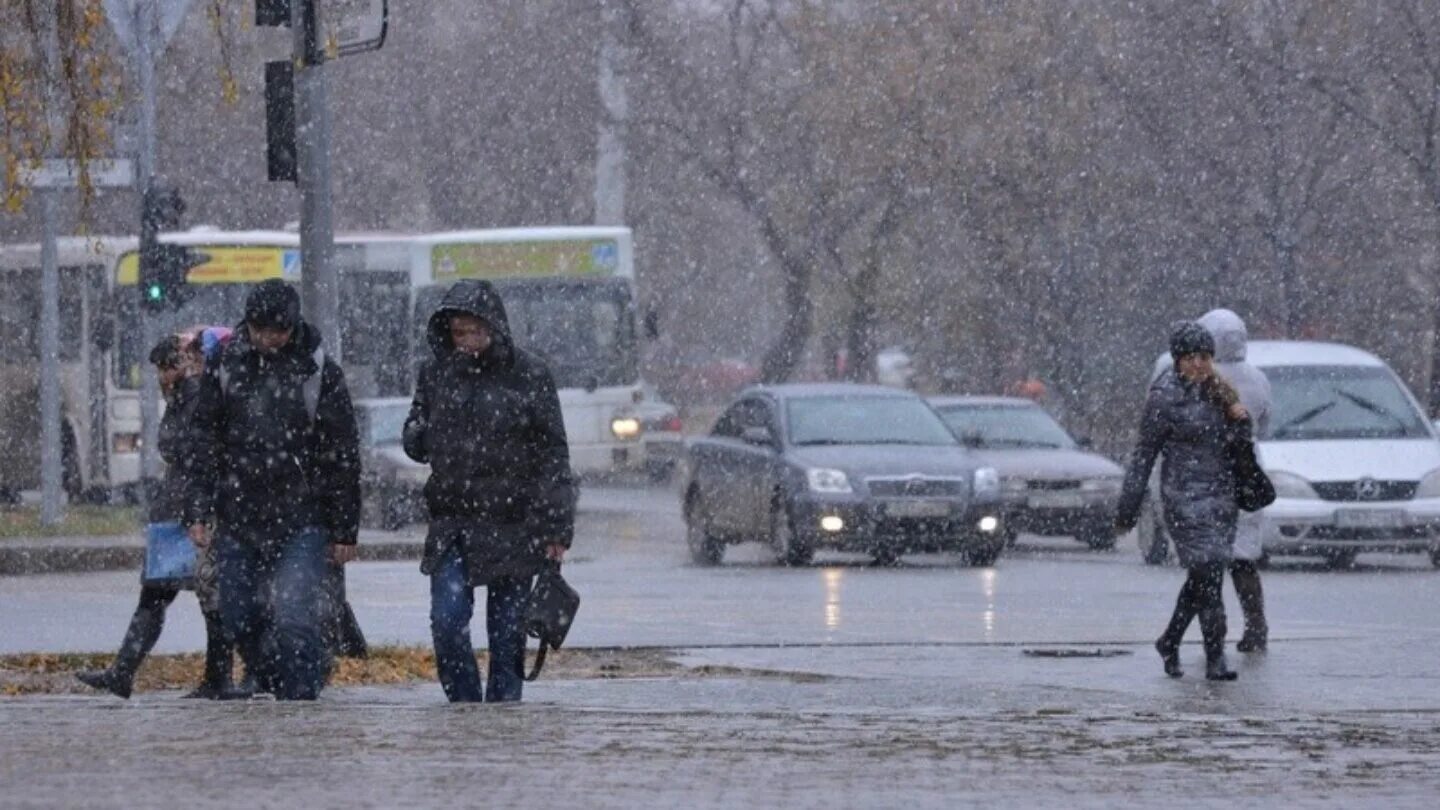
{"x":165,"y":275}
{"x":272,"y":13}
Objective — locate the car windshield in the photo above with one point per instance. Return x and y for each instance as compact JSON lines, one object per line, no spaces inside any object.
{"x":1006,"y":426}
{"x":1318,"y":403}
{"x":865,"y":420}
{"x":382,"y":424}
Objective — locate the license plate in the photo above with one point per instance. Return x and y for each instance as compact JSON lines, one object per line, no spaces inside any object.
{"x":1056,"y":501}
{"x":917,"y":509}
{"x":1369,"y":518}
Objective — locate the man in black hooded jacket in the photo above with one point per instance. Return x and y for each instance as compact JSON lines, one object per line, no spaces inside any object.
{"x":278,"y":473}
{"x":486,"y":417}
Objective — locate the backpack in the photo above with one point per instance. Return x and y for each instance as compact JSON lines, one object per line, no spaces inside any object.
{"x":309,"y":390}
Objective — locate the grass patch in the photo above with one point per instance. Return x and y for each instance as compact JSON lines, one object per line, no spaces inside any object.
{"x":54,"y":673}
{"x":78,"y":520}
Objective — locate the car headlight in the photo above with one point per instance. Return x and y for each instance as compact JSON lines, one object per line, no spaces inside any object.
{"x":1429,"y":486}
{"x":987,"y":482}
{"x":1108,"y":486}
{"x":1290,"y":485}
{"x":831,"y":481}
{"x":625,"y":427}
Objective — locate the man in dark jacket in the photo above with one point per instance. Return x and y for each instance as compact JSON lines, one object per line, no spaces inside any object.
{"x":486,"y":417}
{"x":279,"y":476}
{"x":1190,"y":416}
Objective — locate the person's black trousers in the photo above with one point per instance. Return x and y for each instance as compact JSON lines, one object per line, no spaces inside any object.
{"x":1200,"y":596}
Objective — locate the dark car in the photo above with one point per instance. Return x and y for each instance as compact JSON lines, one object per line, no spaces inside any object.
{"x":1051,"y":484}
{"x":849,"y":467}
{"x":391,"y":485}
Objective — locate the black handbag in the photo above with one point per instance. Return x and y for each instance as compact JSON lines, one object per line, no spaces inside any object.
{"x":1253,"y":488}
{"x":550,"y":613}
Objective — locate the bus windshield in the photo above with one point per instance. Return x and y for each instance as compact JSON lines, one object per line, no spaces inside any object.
{"x":585,"y":330}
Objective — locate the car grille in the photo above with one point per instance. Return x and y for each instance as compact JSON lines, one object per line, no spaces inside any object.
{"x":915,"y":487}
{"x":1053,"y":486}
{"x":1359,"y":491}
{"x":1397,"y":533}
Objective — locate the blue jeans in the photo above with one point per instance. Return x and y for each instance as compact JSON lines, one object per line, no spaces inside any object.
{"x":452,"y":604}
{"x":271,"y":607}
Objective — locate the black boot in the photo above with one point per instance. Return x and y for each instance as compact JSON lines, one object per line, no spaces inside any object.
{"x":1246,"y":576}
{"x":1212,"y":623}
{"x":140,"y":637}
{"x":1252,"y":642}
{"x":1216,"y":669}
{"x":219,"y":661}
{"x":1170,"y":658}
{"x":106,"y":681}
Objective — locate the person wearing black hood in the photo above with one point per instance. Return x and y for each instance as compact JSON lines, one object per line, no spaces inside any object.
{"x":486,"y":418}
{"x":1192,"y":416}
{"x":279,"y":478}
{"x":179,"y":362}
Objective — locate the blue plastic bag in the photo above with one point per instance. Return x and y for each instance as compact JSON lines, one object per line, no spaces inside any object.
{"x":169,"y":556}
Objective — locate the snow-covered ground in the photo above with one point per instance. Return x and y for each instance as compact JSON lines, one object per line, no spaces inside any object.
{"x":913,"y":686}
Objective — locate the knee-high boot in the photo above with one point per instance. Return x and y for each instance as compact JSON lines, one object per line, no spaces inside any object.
{"x":140,"y":638}
{"x":1246,"y":577}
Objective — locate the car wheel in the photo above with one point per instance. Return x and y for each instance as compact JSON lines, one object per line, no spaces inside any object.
{"x":1435,"y":557}
{"x":705,"y":549}
{"x":1340,"y":559}
{"x":660,"y":473}
{"x":789,"y":547}
{"x":884,"y":555}
{"x":984,"y":555}
{"x":1100,"y":538}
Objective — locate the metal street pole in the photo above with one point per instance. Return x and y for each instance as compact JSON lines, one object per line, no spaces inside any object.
{"x":610,"y":147}
{"x":320,"y":289}
{"x":145,"y":19}
{"x":50,"y":448}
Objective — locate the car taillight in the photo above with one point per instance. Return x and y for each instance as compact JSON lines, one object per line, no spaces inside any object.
{"x":127,"y":442}
{"x":672,"y":424}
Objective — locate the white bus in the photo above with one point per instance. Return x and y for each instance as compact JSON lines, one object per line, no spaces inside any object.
{"x":86,"y":264}
{"x":569,"y":294}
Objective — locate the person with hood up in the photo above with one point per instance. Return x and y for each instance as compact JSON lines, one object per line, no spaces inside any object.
{"x":486,"y":418}
{"x":1231,"y":344}
{"x":179,"y":360}
{"x":1192,"y":417}
{"x":278,"y":476}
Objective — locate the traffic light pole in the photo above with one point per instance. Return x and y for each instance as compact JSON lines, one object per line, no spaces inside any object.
{"x":145,"y":12}
{"x":51,"y":472}
{"x":320,"y":289}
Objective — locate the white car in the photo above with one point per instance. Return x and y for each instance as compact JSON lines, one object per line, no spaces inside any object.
{"x":1355,"y":462}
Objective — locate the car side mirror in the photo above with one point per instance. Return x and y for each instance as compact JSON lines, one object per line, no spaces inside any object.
{"x":1085,"y":443}
{"x":757,"y":436}
{"x":972,"y":440}
{"x":651,"y":324}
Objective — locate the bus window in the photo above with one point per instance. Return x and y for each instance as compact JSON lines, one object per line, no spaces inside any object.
{"x":20,"y":315}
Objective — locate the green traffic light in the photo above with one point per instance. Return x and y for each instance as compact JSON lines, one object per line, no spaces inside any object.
{"x":156,"y":292}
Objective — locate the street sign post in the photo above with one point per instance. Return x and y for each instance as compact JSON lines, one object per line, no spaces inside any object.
{"x":47,"y":178}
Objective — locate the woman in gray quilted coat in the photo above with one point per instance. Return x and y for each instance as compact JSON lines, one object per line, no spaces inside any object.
{"x":1191,"y":417}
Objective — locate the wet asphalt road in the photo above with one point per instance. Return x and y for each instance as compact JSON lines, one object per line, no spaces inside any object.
{"x":930,"y":694}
